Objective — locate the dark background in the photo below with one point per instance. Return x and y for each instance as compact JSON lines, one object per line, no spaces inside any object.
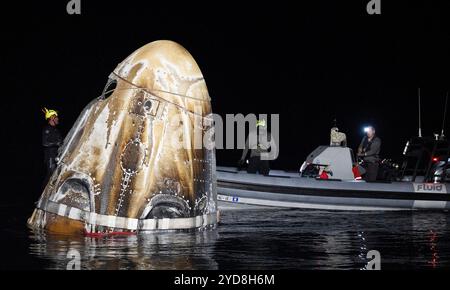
{"x":310,"y":62}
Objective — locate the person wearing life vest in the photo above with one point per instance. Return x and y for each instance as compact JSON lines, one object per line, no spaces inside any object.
{"x":369,"y":152}
{"x":51,"y":140}
{"x":259,"y":141}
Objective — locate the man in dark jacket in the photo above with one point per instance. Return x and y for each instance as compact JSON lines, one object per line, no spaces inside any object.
{"x":258,"y":142}
{"x":369,"y":152}
{"x":51,"y":140}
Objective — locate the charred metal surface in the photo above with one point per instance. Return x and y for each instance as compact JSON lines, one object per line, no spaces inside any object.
{"x":119,"y":159}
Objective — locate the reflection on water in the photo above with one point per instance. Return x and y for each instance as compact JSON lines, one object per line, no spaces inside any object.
{"x":433,"y":249}
{"x":168,"y":250}
{"x":263,"y":239}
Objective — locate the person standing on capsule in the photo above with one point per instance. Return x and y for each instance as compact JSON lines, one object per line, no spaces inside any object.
{"x":369,"y":152}
{"x":51,"y":141}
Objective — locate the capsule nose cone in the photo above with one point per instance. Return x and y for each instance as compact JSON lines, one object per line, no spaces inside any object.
{"x":168,"y":70}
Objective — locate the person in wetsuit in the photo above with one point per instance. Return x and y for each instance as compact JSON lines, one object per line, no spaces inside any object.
{"x":259,"y":142}
{"x":51,"y":141}
{"x":369,"y":152}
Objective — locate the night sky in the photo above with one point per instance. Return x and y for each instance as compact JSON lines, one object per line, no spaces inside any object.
{"x":309,"y":62}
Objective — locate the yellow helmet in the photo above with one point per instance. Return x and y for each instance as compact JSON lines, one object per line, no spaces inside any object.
{"x":261,"y":123}
{"x":49,"y":113}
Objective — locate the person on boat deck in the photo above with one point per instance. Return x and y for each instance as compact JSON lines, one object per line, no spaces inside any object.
{"x":51,"y":140}
{"x":369,"y":152}
{"x":259,"y":141}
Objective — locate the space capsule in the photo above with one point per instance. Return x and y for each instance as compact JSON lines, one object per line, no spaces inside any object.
{"x":137,"y":159}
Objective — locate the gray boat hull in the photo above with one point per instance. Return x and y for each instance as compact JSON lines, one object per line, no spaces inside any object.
{"x":283,"y":189}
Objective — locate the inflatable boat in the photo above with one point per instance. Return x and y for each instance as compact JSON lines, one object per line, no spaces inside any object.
{"x":342,"y":190}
